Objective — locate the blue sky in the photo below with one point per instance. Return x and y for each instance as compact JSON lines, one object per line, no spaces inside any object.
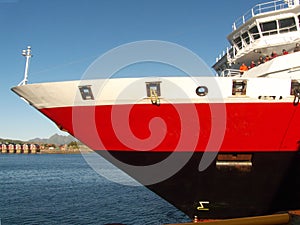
{"x":68,"y":35}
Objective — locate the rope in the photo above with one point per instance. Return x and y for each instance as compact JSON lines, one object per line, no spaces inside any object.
{"x":154,"y":97}
{"x":297,"y":96}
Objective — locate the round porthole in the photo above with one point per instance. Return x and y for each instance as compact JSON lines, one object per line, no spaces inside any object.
{"x":201,"y":90}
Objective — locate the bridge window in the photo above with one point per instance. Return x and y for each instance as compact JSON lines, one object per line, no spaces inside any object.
{"x":254,"y":32}
{"x":238,"y":42}
{"x":287,"y":25}
{"x":246,"y":37}
{"x":268,"y":28}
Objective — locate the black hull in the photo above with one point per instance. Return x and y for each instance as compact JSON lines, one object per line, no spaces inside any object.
{"x":269,"y":185}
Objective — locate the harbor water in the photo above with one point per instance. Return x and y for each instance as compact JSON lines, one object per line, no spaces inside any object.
{"x":64,"y":189}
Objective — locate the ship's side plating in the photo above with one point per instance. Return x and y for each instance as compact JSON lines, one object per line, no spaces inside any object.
{"x":248,"y":126}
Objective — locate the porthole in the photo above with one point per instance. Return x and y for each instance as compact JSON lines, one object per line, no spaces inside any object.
{"x":201,"y":90}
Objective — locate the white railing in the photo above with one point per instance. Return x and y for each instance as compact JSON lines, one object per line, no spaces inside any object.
{"x":264,"y":8}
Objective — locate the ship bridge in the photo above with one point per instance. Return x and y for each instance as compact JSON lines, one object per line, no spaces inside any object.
{"x":267,"y":27}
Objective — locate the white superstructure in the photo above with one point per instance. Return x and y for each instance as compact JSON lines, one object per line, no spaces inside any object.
{"x":264,"y":29}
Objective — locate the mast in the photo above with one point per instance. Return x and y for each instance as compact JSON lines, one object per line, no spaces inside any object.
{"x":28,"y":55}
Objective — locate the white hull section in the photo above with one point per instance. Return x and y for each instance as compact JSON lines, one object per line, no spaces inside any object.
{"x":172,"y":90}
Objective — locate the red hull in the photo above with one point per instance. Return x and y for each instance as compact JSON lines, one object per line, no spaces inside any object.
{"x":240,"y":127}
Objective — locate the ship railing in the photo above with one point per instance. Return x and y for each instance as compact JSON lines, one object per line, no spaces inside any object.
{"x":228,"y":52}
{"x":232,"y":51}
{"x":264,"y":8}
{"x":231,"y":73}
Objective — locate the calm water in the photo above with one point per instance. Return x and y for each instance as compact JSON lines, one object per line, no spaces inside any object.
{"x":63,"y":189}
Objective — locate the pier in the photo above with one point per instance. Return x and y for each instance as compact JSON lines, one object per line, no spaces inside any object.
{"x":288,"y":218}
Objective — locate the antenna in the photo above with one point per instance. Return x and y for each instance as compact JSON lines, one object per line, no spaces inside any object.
{"x":27,"y":54}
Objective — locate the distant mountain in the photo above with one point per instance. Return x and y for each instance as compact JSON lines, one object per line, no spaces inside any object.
{"x":2,"y":140}
{"x":55,"y":139}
